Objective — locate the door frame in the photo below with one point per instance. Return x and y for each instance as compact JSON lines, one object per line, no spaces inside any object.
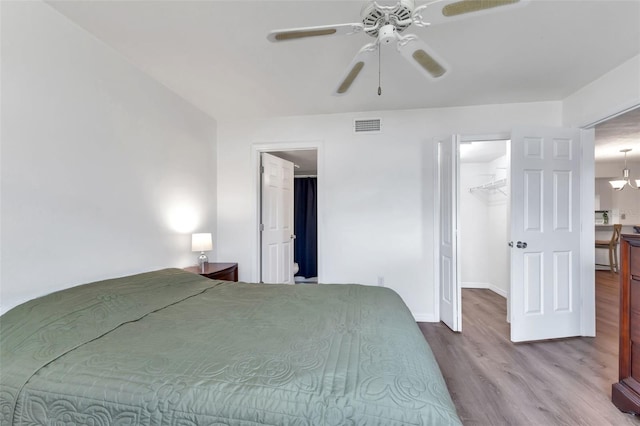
{"x":484,"y":137}
{"x":587,"y":206}
{"x":587,"y":233}
{"x":256,"y":150}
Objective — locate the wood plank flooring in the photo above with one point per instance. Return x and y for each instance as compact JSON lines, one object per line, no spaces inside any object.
{"x":562,"y":382}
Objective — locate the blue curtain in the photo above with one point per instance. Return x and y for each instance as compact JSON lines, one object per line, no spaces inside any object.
{"x":305,"y":198}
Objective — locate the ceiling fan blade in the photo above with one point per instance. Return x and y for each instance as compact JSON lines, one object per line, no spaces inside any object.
{"x":323,"y":30}
{"x":364,"y":56}
{"x":422,"y":56}
{"x":448,"y":10}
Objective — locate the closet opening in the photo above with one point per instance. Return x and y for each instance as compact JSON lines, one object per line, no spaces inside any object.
{"x":484,"y":221}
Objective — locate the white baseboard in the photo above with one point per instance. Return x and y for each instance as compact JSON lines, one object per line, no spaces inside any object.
{"x":498,"y":291}
{"x":425,"y":318}
{"x":471,"y":284}
{"x":488,"y":286}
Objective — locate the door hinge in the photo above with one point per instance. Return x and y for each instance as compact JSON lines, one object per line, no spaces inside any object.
{"x":261,"y":227}
{"x":261,"y":169}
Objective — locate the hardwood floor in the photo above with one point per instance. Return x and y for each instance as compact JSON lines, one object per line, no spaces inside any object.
{"x":562,"y":382}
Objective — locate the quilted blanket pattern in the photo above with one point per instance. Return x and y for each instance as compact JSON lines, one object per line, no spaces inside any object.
{"x":173,"y":348}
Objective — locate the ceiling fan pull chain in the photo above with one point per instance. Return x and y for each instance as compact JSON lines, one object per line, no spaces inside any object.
{"x":379,"y":85}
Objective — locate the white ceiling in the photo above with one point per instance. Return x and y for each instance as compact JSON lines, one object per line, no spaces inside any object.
{"x":216,"y":55}
{"x":621,"y":132}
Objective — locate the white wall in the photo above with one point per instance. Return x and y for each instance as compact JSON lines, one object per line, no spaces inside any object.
{"x":376,"y":192}
{"x":500,"y":229}
{"x":104,"y":171}
{"x":474,"y":232}
{"x":613,"y":169}
{"x":614,"y":92}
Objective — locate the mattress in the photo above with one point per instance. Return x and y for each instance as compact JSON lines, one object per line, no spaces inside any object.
{"x":173,"y":348}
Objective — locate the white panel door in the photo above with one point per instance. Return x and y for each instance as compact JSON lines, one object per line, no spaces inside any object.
{"x":277,"y":220}
{"x":545,"y":234}
{"x":450,"y":292}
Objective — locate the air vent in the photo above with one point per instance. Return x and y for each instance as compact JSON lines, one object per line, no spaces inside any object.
{"x":371,"y":125}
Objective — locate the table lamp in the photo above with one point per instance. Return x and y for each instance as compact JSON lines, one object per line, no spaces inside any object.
{"x":201,"y":242}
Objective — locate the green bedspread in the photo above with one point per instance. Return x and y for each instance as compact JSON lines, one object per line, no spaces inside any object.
{"x":173,"y":348}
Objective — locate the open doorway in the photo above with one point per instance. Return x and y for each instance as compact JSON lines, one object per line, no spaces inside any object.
{"x":305,"y":212}
{"x":616,"y":140}
{"x":484,"y":224}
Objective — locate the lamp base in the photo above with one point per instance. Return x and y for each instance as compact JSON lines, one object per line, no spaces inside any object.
{"x":202,"y":261}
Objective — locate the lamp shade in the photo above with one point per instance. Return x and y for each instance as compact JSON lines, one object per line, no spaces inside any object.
{"x":201,"y":242}
{"x":617,"y":184}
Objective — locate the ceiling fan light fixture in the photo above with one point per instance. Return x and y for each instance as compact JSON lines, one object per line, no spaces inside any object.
{"x":385,"y":21}
{"x":619,"y":184}
{"x":470,"y":6}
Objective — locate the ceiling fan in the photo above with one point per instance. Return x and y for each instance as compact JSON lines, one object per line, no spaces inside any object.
{"x":386,"y":21}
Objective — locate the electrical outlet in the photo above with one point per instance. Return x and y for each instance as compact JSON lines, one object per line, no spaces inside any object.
{"x":380,"y":281}
{"x":623,"y":216}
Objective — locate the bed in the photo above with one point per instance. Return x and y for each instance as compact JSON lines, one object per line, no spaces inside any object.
{"x":173,"y":348}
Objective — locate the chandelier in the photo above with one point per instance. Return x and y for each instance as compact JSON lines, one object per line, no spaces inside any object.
{"x":619,"y":184}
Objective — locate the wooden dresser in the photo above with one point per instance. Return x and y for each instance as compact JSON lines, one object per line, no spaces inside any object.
{"x":626,"y":393}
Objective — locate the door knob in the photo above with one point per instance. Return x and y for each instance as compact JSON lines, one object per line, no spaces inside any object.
{"x":510,"y":243}
{"x":521,"y":244}
{"x":293,"y":236}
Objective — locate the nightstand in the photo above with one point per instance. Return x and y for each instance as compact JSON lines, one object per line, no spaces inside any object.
{"x":217,"y":271}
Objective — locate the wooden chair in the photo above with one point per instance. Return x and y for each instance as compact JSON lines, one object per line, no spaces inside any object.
{"x":612,"y":246}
